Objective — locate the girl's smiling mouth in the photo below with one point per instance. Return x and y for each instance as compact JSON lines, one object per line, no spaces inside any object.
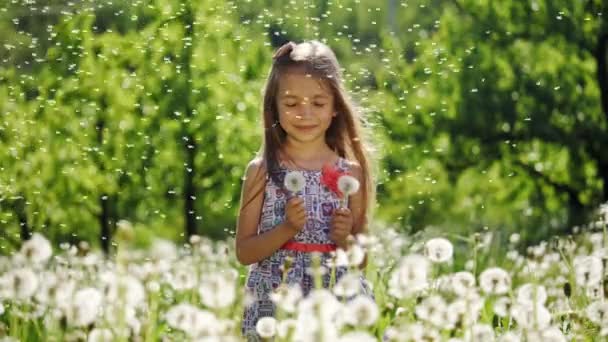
{"x":305,"y":128}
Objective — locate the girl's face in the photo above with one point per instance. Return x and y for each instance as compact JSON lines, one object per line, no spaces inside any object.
{"x":306,"y":106}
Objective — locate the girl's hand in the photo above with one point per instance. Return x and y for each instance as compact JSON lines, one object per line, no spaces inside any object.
{"x":295,"y":214}
{"x":341,"y":226}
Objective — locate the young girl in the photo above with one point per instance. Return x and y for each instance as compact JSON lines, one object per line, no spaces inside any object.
{"x":309,"y":123}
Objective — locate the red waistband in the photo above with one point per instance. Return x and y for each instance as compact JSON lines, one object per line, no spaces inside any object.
{"x":309,"y":247}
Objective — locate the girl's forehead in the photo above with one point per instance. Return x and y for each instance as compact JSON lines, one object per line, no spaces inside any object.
{"x":303,"y":85}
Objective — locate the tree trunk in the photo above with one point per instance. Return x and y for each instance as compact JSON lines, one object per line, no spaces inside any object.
{"x":24,"y":227}
{"x":602,"y":77}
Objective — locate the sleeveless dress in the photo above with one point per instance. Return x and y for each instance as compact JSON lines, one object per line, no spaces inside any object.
{"x":266,"y":275}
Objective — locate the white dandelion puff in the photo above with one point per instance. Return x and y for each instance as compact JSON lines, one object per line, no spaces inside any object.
{"x":85,"y":307}
{"x":100,"y":335}
{"x":495,"y":280}
{"x":529,"y":294}
{"x":433,"y":310}
{"x":357,"y":336}
{"x":266,"y":327}
{"x":410,"y":276}
{"x":347,"y":185}
{"x":37,"y":249}
{"x":597,"y":312}
{"x":531,"y":316}
{"x":182,"y":278}
{"x":502,"y":306}
{"x":218,"y":290}
{"x":295,"y":181}
{"x":553,"y":334}
{"x":509,"y":336}
{"x":588,"y":270}
{"x":286,"y":327}
{"x":439,"y":250}
{"x":462,"y":282}
{"x":348,"y":285}
{"x":479,"y":332}
{"x":361,"y":311}
{"x":287,"y":297}
{"x":19,"y":283}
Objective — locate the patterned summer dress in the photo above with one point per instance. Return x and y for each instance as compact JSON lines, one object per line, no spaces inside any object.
{"x":266,"y":275}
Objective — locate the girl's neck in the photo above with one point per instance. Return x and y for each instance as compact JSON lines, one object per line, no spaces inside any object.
{"x":307,"y":155}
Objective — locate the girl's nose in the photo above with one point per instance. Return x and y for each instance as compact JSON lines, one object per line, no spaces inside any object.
{"x":306,"y":109}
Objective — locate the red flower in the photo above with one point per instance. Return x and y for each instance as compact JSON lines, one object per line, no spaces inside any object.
{"x":330,"y":176}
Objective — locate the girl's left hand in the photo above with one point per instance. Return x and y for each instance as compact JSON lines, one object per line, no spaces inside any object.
{"x":341,"y":226}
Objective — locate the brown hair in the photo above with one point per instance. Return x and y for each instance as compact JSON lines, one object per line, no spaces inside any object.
{"x":345,"y":134}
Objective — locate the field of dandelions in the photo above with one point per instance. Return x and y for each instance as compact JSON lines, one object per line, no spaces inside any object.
{"x":553,"y":291}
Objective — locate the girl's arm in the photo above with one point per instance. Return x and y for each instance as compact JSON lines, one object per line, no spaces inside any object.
{"x":251,"y":247}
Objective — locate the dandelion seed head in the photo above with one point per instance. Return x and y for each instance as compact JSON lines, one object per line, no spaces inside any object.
{"x":439,"y":250}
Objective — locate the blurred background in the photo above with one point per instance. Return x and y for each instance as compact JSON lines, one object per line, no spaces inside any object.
{"x":486,"y":115}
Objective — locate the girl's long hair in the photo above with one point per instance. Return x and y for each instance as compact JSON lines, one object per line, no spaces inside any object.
{"x":346,"y":135}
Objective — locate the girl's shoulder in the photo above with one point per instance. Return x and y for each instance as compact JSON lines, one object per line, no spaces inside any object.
{"x":256,"y":170}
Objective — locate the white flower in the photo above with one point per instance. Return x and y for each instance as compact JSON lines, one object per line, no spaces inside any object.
{"x":433,"y":310}
{"x":553,"y":334}
{"x":266,"y":327}
{"x":55,"y":291}
{"x":37,"y":249}
{"x":348,"y":185}
{"x":354,"y":256}
{"x":287,"y":297}
{"x":531,"y":316}
{"x":528,"y":294}
{"x":182,"y":278}
{"x":295,"y":181}
{"x":462,"y":282}
{"x":597,"y":312}
{"x":357,"y":336}
{"x":125,"y":289}
{"x":100,"y":335}
{"x":320,"y":303}
{"x":162,"y":249}
{"x":465,"y":310}
{"x":361,"y":311}
{"x":19,"y":283}
{"x":85,"y":307}
{"x":348,"y":285}
{"x":191,"y":320}
{"x":1,"y":309}
{"x":439,"y":250}
{"x":588,"y":270}
{"x":286,"y":327}
{"x":178,"y":316}
{"x":218,"y":290}
{"x":409,"y":277}
{"x":502,"y":306}
{"x":479,"y":332}
{"x":509,"y":336}
{"x":495,"y":280}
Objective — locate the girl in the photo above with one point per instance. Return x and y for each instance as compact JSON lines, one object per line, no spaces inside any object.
{"x":309,"y":123}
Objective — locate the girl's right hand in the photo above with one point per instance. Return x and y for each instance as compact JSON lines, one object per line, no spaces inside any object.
{"x":295,"y":214}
